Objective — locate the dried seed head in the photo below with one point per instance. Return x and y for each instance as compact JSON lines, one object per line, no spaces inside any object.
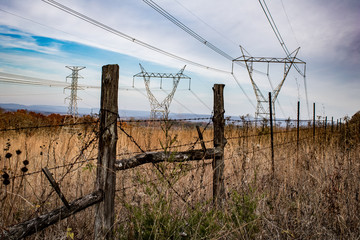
{"x":6,"y":182}
{"x":26,"y":162}
{"x":18,"y":152}
{"x":41,"y":153}
{"x":24,"y":169}
{"x":8,"y":155}
{"x":5,"y":175}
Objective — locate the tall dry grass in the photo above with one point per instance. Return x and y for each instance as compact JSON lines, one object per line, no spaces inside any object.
{"x":314,"y":194}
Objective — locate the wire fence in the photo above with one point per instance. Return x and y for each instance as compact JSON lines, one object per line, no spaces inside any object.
{"x":244,"y":134}
{"x":80,"y":165}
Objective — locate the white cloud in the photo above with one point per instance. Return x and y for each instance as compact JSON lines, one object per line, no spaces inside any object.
{"x":28,"y":43}
{"x":327,"y":32}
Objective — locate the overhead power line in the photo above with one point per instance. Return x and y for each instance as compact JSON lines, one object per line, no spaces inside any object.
{"x":139,"y":42}
{"x":125,"y":36}
{"x":284,"y":47}
{"x":174,"y":20}
{"x":287,"y":17}
{"x":212,"y":28}
{"x":20,"y":79}
{"x":192,"y":33}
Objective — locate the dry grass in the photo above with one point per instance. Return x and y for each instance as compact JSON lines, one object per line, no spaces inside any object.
{"x":314,"y":195}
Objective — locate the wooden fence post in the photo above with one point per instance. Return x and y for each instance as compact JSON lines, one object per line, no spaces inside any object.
{"x":325,"y":127}
{"x":219,"y":144}
{"x":272,"y":137}
{"x":297,"y":132}
{"x":314,"y":123}
{"x":105,"y":172}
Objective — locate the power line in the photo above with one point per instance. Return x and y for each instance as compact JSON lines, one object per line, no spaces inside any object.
{"x":20,"y":79}
{"x":242,"y":89}
{"x":287,"y":17}
{"x":125,"y":36}
{"x":132,"y":39}
{"x":201,"y":20}
{"x":174,"y":20}
{"x":283,"y":45}
{"x":192,"y":33}
{"x":200,"y":100}
{"x":178,"y":102}
{"x":30,"y":20}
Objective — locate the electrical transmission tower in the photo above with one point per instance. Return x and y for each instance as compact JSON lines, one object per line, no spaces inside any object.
{"x":160,"y":109}
{"x":73,"y":109}
{"x":289,"y":61}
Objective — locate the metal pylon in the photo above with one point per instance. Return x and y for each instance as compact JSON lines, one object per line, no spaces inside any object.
{"x":160,"y":108}
{"x":261,"y":109}
{"x":73,"y":109}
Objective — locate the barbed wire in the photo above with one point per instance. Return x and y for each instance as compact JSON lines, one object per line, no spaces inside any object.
{"x":47,"y":126}
{"x":163,"y":120}
{"x":51,"y":168}
{"x":156,"y":167}
{"x":157,"y":120}
{"x":264,"y":120}
{"x":159,"y":179}
{"x":171,"y":147}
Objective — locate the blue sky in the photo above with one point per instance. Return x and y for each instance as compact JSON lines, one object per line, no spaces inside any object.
{"x":39,"y":40}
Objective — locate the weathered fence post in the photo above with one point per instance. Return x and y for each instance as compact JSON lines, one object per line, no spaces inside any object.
{"x":219,"y":144}
{"x":314,"y":124}
{"x":272,"y":138}
{"x":325,"y":127}
{"x":105,"y":172}
{"x":298,"y":131}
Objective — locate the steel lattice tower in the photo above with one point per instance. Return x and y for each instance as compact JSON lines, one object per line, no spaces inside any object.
{"x":73,"y":109}
{"x":262,"y":108}
{"x":160,"y":108}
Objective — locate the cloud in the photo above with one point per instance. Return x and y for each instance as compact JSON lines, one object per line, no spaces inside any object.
{"x":27,"y":43}
{"x":327,"y":32}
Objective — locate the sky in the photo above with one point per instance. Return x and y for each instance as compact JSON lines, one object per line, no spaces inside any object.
{"x":38,"y":40}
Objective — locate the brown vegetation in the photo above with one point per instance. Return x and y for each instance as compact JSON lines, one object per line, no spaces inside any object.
{"x":314,"y":195}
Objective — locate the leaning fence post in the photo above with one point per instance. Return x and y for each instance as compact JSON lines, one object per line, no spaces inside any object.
{"x":219,"y":144}
{"x":105,"y":172}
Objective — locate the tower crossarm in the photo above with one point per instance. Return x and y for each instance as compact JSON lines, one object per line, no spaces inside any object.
{"x":179,"y":75}
{"x":245,"y":59}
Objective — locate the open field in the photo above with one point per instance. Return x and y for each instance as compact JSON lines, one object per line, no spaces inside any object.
{"x":314,"y":193}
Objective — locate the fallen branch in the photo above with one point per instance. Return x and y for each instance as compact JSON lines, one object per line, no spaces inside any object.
{"x":37,"y":224}
{"x":155,"y":157}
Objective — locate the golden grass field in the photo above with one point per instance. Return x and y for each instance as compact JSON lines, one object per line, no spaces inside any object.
{"x":314,"y":195}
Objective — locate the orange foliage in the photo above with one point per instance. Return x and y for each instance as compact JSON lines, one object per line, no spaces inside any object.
{"x":23,"y":118}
